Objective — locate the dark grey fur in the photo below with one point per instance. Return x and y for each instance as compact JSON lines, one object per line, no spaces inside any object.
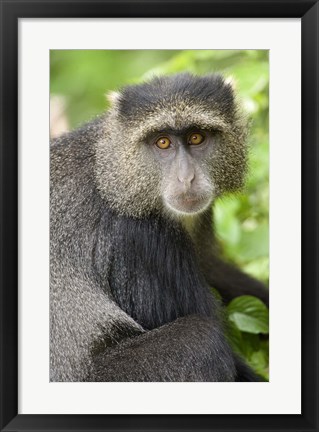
{"x":129,"y":286}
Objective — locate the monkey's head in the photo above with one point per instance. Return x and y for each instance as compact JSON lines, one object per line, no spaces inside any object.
{"x":171,"y":144}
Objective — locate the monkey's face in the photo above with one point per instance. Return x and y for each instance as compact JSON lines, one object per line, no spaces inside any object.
{"x":173,"y":143}
{"x":186,"y":185}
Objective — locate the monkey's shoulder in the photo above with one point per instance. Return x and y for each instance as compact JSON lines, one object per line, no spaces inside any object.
{"x":76,"y":149}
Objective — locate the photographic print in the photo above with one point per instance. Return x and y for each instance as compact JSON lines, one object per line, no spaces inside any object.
{"x":159,"y":215}
{"x":137,"y":184}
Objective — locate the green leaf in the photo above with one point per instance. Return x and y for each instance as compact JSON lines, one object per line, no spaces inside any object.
{"x":235,"y":339}
{"x":251,"y":343}
{"x":259,"y":361}
{"x":249,"y":314}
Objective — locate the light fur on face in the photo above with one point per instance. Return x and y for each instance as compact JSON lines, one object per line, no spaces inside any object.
{"x":128,"y":176}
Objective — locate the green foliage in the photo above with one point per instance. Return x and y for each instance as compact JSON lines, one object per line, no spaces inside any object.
{"x":83,"y":77}
{"x":241,"y":221}
{"x":248,"y":331}
{"x":249,"y":314}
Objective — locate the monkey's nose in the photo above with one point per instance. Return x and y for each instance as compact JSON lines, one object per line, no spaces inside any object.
{"x":186,"y":172}
{"x":186,"y":179}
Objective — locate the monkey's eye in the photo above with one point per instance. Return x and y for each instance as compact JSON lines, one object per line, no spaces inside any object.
{"x":195,"y":138}
{"x":163,"y":143}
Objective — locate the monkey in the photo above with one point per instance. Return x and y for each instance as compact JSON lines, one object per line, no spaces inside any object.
{"x":132,"y":251}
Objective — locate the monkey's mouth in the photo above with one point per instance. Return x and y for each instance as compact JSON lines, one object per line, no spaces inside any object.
{"x":189,"y":203}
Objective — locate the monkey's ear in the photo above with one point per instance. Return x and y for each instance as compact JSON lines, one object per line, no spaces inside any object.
{"x":231,"y":82}
{"x":113,"y":97}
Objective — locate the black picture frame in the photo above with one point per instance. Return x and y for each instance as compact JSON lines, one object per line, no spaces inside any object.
{"x":11,"y":11}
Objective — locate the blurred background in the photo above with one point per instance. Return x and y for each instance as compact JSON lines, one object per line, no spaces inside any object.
{"x":79,"y":80}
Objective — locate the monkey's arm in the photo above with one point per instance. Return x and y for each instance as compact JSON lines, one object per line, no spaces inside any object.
{"x":227,"y":279}
{"x":92,"y":339}
{"x":191,"y":348}
{"x":231,"y":282}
